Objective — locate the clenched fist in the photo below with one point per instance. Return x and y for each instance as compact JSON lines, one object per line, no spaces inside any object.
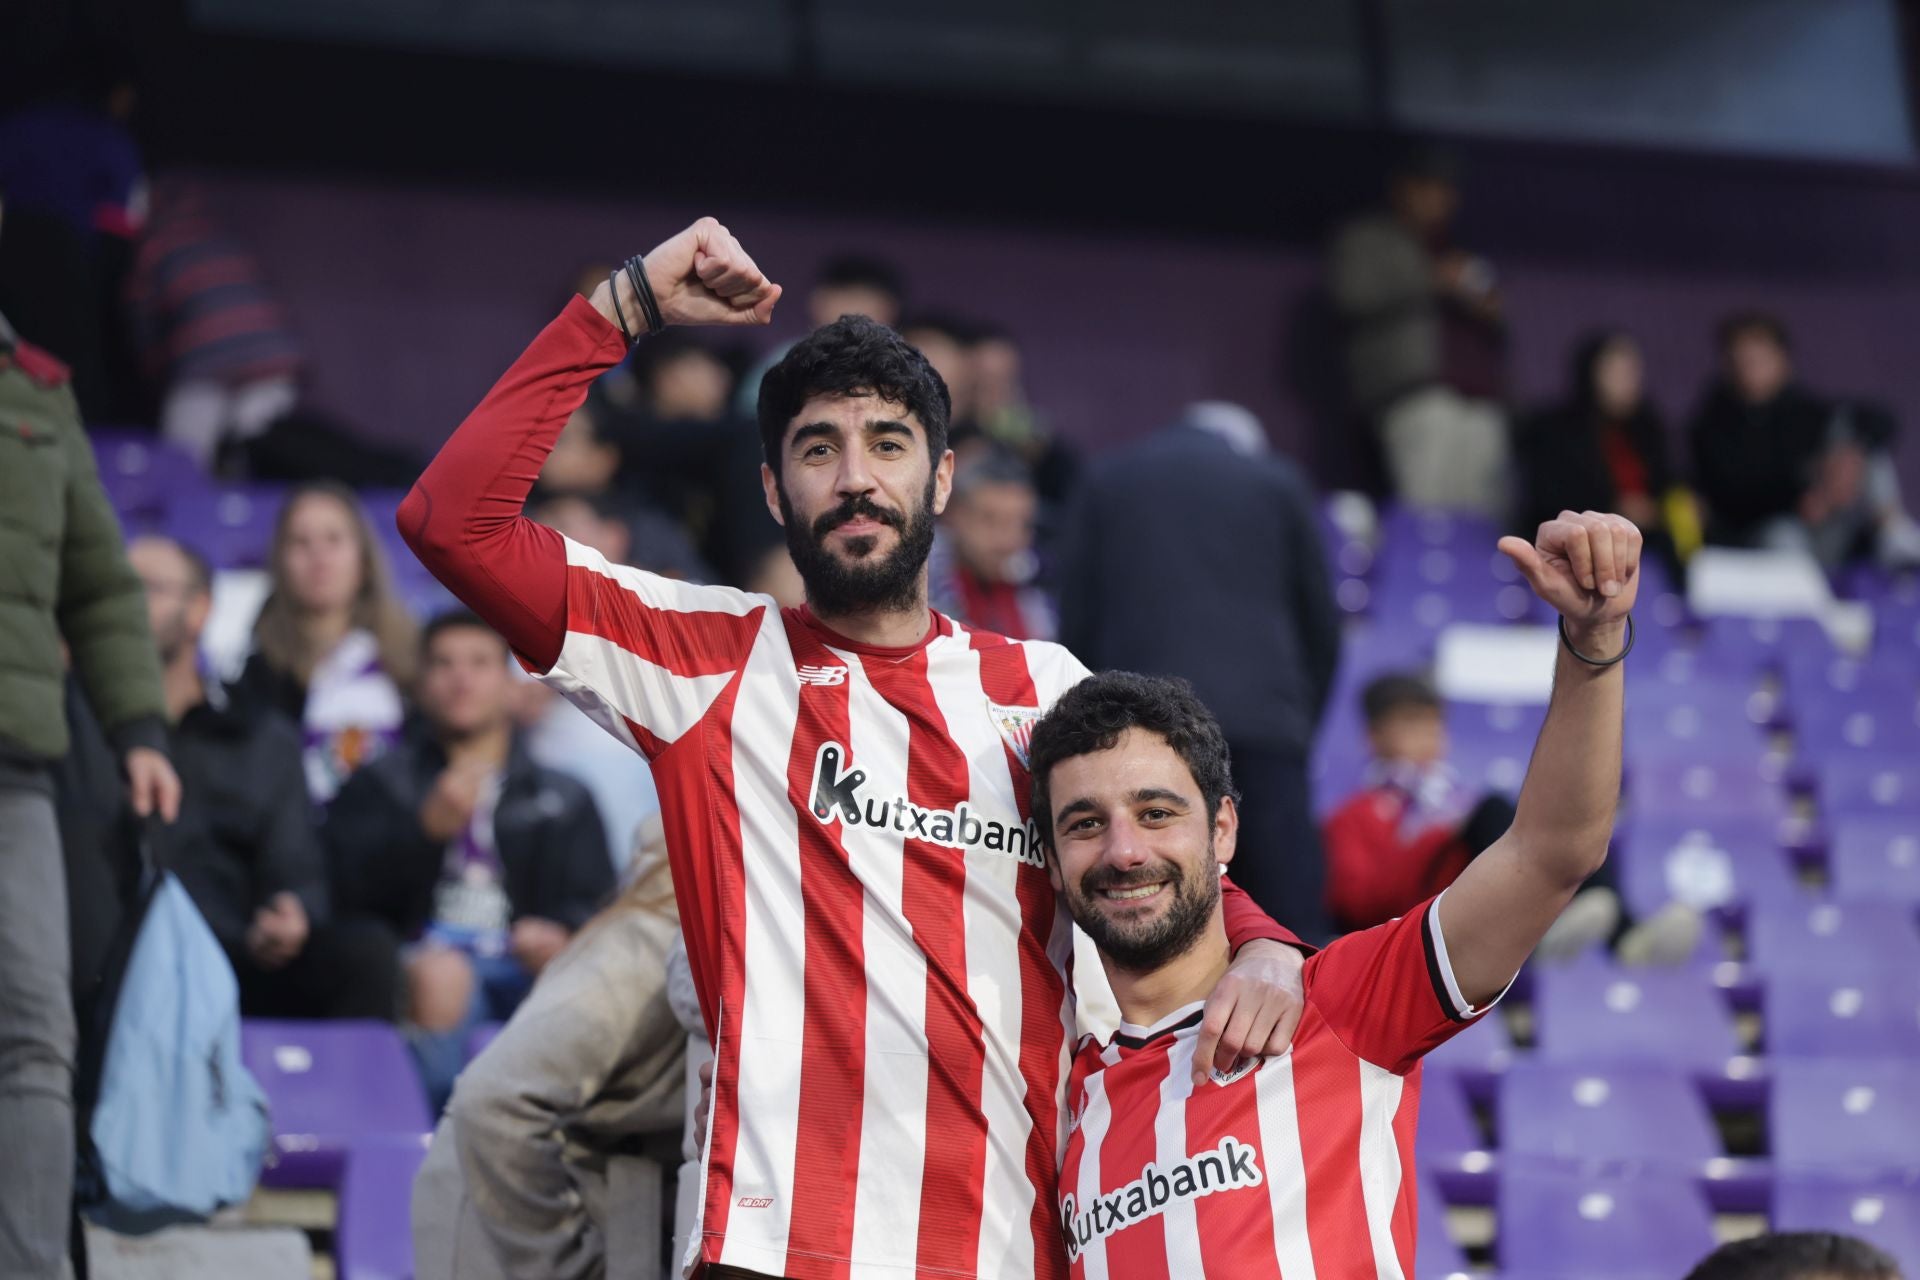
{"x":701,"y":276}
{"x":1587,"y":566}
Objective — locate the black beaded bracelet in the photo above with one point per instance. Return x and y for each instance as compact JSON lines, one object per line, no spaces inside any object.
{"x":1598,"y":662}
{"x":613,"y":287}
{"x":643,"y":289}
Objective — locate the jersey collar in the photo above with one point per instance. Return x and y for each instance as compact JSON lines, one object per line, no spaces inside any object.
{"x":938,"y":625}
{"x":1132,"y":1036}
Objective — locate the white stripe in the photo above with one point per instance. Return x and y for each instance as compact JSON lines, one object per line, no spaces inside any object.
{"x":1277,"y":1101}
{"x":1459,"y":1007}
{"x":1182,"y":1224}
{"x":1380,"y":1093}
{"x":772,"y":1012}
{"x":1094,"y":1123}
{"x":668,"y":593}
{"x":893,"y":1119}
{"x":990,"y":907}
{"x":607,"y":682}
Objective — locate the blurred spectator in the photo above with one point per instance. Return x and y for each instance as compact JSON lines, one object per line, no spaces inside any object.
{"x":946,"y":342}
{"x":1797,"y":1255}
{"x":1005,"y":416}
{"x":678,"y":378}
{"x":984,"y":565}
{"x":1426,"y":342}
{"x":524,"y":1174}
{"x":1604,"y":448}
{"x":245,"y":845}
{"x":1779,"y":467}
{"x":333,"y":645}
{"x":1196,"y":552}
{"x":848,"y":285}
{"x":1414,"y":827}
{"x":214,"y":338}
{"x":66,"y":596}
{"x":457,"y":840}
{"x":76,"y":191}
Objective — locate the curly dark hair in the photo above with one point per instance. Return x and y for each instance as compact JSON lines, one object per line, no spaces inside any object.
{"x":1797,"y":1255}
{"x":1093,"y":714}
{"x":852,"y":356}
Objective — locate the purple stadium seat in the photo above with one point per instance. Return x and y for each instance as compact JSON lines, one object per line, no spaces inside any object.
{"x":1435,"y":1253}
{"x":1702,"y":783}
{"x":1558,"y":1223}
{"x":232,"y":525}
{"x":1884,"y":1213}
{"x":1881,"y":722}
{"x":373,"y":1237}
{"x":1876,"y":858}
{"x":1506,"y":722}
{"x":1847,"y":1115}
{"x":1449,"y":1144}
{"x":1810,"y":676}
{"x":1641,"y":1112}
{"x":1835,"y":939}
{"x":143,"y":475}
{"x":1813,"y":1014}
{"x":1866,"y":784}
{"x":1761,"y":644}
{"x":1413,"y":526}
{"x":1477,"y":1056}
{"x":331,"y":1085}
{"x":1711,"y":861}
{"x":1591,"y":1014}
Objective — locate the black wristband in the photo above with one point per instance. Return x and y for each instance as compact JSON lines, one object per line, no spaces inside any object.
{"x":643,"y":289}
{"x":1598,"y":662}
{"x":613,"y":287}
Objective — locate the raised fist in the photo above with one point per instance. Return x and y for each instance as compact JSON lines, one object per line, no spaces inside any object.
{"x":701,"y":276}
{"x":1586,"y":565}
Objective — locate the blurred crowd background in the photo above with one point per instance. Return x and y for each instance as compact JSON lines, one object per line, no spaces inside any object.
{"x":1259,"y":327}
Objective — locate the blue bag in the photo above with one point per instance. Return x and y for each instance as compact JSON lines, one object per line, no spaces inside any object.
{"x":173,"y":1127}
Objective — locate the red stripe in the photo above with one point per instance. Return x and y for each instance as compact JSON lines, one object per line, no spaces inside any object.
{"x":1326,"y":1086}
{"x":699,"y":813}
{"x":832,"y":1052}
{"x":687,"y":644}
{"x":1043,"y":1036}
{"x":253,"y":317}
{"x":1076,"y":1151}
{"x":231,"y":269}
{"x":1235,"y":1227}
{"x":1133,"y":1103}
{"x":1406,"y":1206}
{"x":933,"y":885}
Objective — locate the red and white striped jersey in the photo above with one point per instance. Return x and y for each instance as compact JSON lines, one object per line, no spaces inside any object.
{"x":880,"y":960}
{"x":1297,"y":1168}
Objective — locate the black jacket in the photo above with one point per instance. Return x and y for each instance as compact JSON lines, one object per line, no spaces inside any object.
{"x":1753,"y":462}
{"x":553,"y":850}
{"x":246,"y":828}
{"x":1186,"y":557}
{"x":1560,"y":454}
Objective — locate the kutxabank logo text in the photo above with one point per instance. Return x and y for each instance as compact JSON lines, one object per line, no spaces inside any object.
{"x":1228,"y":1167}
{"x":837,"y":797}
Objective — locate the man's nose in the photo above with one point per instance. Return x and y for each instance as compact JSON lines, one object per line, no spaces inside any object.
{"x":855,"y":476}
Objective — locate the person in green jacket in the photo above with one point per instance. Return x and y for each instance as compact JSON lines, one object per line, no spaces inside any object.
{"x":66,"y":594}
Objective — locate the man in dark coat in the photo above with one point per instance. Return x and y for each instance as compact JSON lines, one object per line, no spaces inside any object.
{"x":1196,"y":553}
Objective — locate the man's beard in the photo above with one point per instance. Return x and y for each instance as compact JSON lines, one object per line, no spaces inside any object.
{"x":1142,"y":948}
{"x":889,"y":583}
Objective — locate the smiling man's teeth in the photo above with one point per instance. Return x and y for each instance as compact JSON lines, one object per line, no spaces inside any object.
{"x":1139,"y":891}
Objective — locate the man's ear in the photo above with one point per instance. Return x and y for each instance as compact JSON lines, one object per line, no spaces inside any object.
{"x":942,"y":482}
{"x":1226,"y":830}
{"x":770,"y":485}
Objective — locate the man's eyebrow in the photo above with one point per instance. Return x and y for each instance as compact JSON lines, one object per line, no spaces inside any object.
{"x":1145,"y":794}
{"x":888,"y":427}
{"x":1073,"y":808}
{"x":813,"y":431}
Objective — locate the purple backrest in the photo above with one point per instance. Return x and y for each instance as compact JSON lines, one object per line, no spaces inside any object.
{"x":1415,"y":526}
{"x":1848,"y":1115}
{"x":1875,"y":857}
{"x":232,"y":525}
{"x":1838,"y":939}
{"x":1477,"y":1055}
{"x":373,"y":1235}
{"x":1591,"y":1111}
{"x":1758,"y":644}
{"x":1559,"y":1223}
{"x":331,"y":1085}
{"x":1435,"y":1253}
{"x":1885,"y":1214}
{"x":1701,"y":784}
{"x":1707,"y":861}
{"x":1881,"y":722}
{"x":1863,"y":784}
{"x":1447,"y":1127}
{"x":1596,"y":1014}
{"x":1812,"y":1014}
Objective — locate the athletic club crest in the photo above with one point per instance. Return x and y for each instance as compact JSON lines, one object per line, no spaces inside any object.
{"x":1016,"y":727}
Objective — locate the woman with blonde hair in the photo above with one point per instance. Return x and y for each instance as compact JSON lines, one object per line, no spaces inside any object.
{"x":551,"y":1161}
{"x":334,"y":647}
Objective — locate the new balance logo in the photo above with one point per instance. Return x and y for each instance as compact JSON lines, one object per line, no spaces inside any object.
{"x":822,"y":675}
{"x":1228,"y":1167}
{"x":837,"y":798}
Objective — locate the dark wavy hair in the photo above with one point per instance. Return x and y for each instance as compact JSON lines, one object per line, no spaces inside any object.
{"x":1093,"y":714}
{"x":853,"y":356}
{"x":1797,"y":1255}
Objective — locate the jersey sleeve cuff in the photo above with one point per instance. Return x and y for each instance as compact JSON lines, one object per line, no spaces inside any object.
{"x":1440,"y":969}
